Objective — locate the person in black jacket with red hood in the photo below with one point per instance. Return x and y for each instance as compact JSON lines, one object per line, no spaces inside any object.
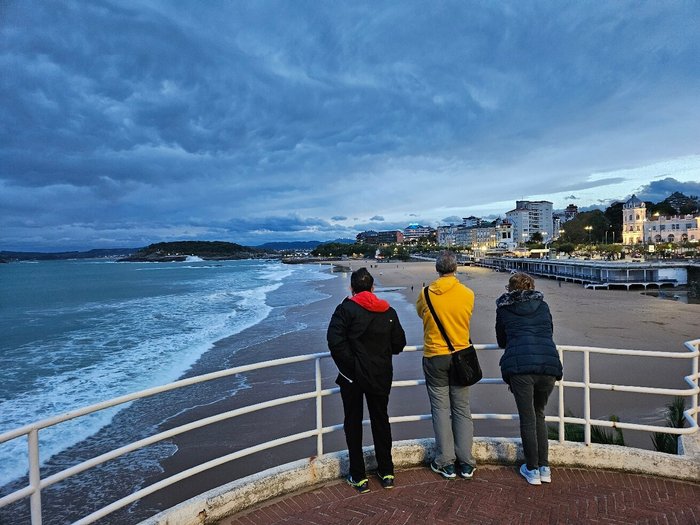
{"x":363,"y":335}
{"x":530,"y":365}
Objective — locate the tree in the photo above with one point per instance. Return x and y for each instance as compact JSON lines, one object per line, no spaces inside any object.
{"x":614,"y":215}
{"x":575,"y":229}
{"x":662,"y":208}
{"x":566,"y":247}
{"x":537,"y":237}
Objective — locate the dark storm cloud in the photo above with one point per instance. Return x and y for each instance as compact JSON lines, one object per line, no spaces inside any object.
{"x":660,"y":189}
{"x":132,"y":120}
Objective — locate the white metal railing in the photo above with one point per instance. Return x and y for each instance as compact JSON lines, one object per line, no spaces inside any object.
{"x":37,"y":484}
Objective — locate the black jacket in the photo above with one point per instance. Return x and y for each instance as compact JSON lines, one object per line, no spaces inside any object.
{"x":362,"y":343}
{"x":524,"y":328}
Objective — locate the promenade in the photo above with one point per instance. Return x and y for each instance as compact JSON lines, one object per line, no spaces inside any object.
{"x":496,"y":495}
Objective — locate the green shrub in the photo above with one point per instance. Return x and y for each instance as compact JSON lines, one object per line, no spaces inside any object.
{"x":668,"y":443}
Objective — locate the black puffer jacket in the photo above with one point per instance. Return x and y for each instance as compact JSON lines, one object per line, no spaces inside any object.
{"x":362,"y":341}
{"x":524,"y":328}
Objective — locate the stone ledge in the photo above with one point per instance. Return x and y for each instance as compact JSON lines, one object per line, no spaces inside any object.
{"x":244,"y":493}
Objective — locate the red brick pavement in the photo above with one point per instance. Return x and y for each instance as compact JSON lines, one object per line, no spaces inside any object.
{"x":496,"y":495}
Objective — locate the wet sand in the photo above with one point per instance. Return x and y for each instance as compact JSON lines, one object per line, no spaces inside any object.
{"x":611,"y":319}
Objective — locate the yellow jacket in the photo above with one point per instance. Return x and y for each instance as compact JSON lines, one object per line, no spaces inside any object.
{"x":454,"y":303}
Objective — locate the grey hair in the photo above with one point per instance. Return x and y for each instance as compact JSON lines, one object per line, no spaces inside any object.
{"x":446,"y":262}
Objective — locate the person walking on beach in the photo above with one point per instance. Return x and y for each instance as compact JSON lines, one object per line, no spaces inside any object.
{"x":530,"y":365}
{"x":449,"y":404}
{"x":363,"y":335}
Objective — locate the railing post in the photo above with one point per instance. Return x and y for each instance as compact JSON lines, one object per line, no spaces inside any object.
{"x":562,"y":427}
{"x":587,"y":397}
{"x":319,"y":410}
{"x":34,"y":476}
{"x":695,"y":372}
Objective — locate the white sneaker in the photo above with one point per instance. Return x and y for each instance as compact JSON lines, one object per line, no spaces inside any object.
{"x":545,"y":475}
{"x":532,"y":476}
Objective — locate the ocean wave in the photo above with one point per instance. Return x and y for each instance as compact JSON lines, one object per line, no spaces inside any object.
{"x":103,"y":349}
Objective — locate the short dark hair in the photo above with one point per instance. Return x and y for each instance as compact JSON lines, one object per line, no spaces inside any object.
{"x":446,"y":262}
{"x":361,"y":281}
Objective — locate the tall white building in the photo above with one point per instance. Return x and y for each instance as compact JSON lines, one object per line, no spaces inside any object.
{"x":634,"y":215}
{"x":531,"y":217}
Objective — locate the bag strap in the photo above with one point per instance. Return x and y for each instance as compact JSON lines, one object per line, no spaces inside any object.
{"x":437,"y":320}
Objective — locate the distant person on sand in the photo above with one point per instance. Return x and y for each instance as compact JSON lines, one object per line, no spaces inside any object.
{"x":449,"y":404}
{"x":530,"y":365}
{"x":363,"y":335}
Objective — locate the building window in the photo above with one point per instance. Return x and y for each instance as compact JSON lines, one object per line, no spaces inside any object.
{"x":671,"y":238}
{"x":662,"y":227}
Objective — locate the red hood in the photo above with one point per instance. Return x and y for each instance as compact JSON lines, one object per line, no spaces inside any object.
{"x":371,"y":302}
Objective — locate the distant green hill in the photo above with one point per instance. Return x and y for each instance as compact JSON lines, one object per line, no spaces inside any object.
{"x":180,"y":250}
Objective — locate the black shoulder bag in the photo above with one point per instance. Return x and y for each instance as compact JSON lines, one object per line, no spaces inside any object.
{"x":464,"y":369}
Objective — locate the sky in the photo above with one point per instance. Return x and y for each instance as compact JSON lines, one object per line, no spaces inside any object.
{"x":129,"y":122}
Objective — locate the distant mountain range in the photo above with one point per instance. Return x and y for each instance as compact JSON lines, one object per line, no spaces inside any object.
{"x":204,"y":249}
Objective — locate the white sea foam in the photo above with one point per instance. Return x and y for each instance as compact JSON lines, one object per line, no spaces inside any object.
{"x":120,"y":346}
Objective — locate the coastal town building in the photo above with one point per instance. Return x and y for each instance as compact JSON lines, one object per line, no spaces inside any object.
{"x":379,"y":238}
{"x":415,"y":232}
{"x":478,"y":235}
{"x":570,"y":212}
{"x":640,"y":228}
{"x":520,"y":221}
{"x":504,"y":235}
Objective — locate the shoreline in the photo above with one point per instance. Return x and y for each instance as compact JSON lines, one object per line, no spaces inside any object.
{"x":581,"y":317}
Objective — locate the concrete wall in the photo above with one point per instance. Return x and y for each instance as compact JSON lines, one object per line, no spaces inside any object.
{"x":242,"y":494}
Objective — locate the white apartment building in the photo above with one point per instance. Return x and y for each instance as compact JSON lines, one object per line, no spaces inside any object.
{"x":531,"y":217}
{"x":475,"y":237}
{"x":413,"y":232}
{"x":504,"y":235}
{"x":520,"y":220}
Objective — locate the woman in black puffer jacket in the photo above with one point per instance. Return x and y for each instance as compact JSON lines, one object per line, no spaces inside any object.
{"x":530,"y":365}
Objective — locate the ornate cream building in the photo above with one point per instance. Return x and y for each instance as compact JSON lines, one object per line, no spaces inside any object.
{"x":637,"y":228}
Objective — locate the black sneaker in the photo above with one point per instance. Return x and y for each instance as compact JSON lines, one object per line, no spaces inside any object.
{"x":386,"y":481}
{"x":466,"y":471}
{"x":361,"y":486}
{"x":447,"y":472}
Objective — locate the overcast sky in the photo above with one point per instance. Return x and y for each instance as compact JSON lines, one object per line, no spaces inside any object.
{"x":124,"y":123}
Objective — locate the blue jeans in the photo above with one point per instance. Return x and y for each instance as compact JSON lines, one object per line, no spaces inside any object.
{"x":531,"y":392}
{"x":452,"y":417}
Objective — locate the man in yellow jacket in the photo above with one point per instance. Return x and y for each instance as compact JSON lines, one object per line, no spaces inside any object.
{"x":449,"y":404}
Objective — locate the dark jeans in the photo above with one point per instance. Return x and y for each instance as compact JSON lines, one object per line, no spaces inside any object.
{"x":377,"y":406}
{"x":531,"y":392}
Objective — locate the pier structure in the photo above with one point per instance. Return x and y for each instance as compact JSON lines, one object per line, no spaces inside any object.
{"x":596,"y":274}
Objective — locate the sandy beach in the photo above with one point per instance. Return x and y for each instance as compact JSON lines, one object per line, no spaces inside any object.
{"x":612,"y":319}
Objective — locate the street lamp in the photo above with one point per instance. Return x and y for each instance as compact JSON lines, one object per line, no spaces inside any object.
{"x":588,"y":229}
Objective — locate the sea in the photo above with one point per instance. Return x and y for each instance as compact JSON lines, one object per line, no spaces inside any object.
{"x":78,"y":332}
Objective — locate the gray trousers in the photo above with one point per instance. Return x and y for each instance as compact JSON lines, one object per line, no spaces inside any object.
{"x":531,"y":392}
{"x":452,"y":417}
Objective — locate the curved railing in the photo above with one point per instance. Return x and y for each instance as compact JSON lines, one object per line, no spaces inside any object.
{"x":37,"y":483}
